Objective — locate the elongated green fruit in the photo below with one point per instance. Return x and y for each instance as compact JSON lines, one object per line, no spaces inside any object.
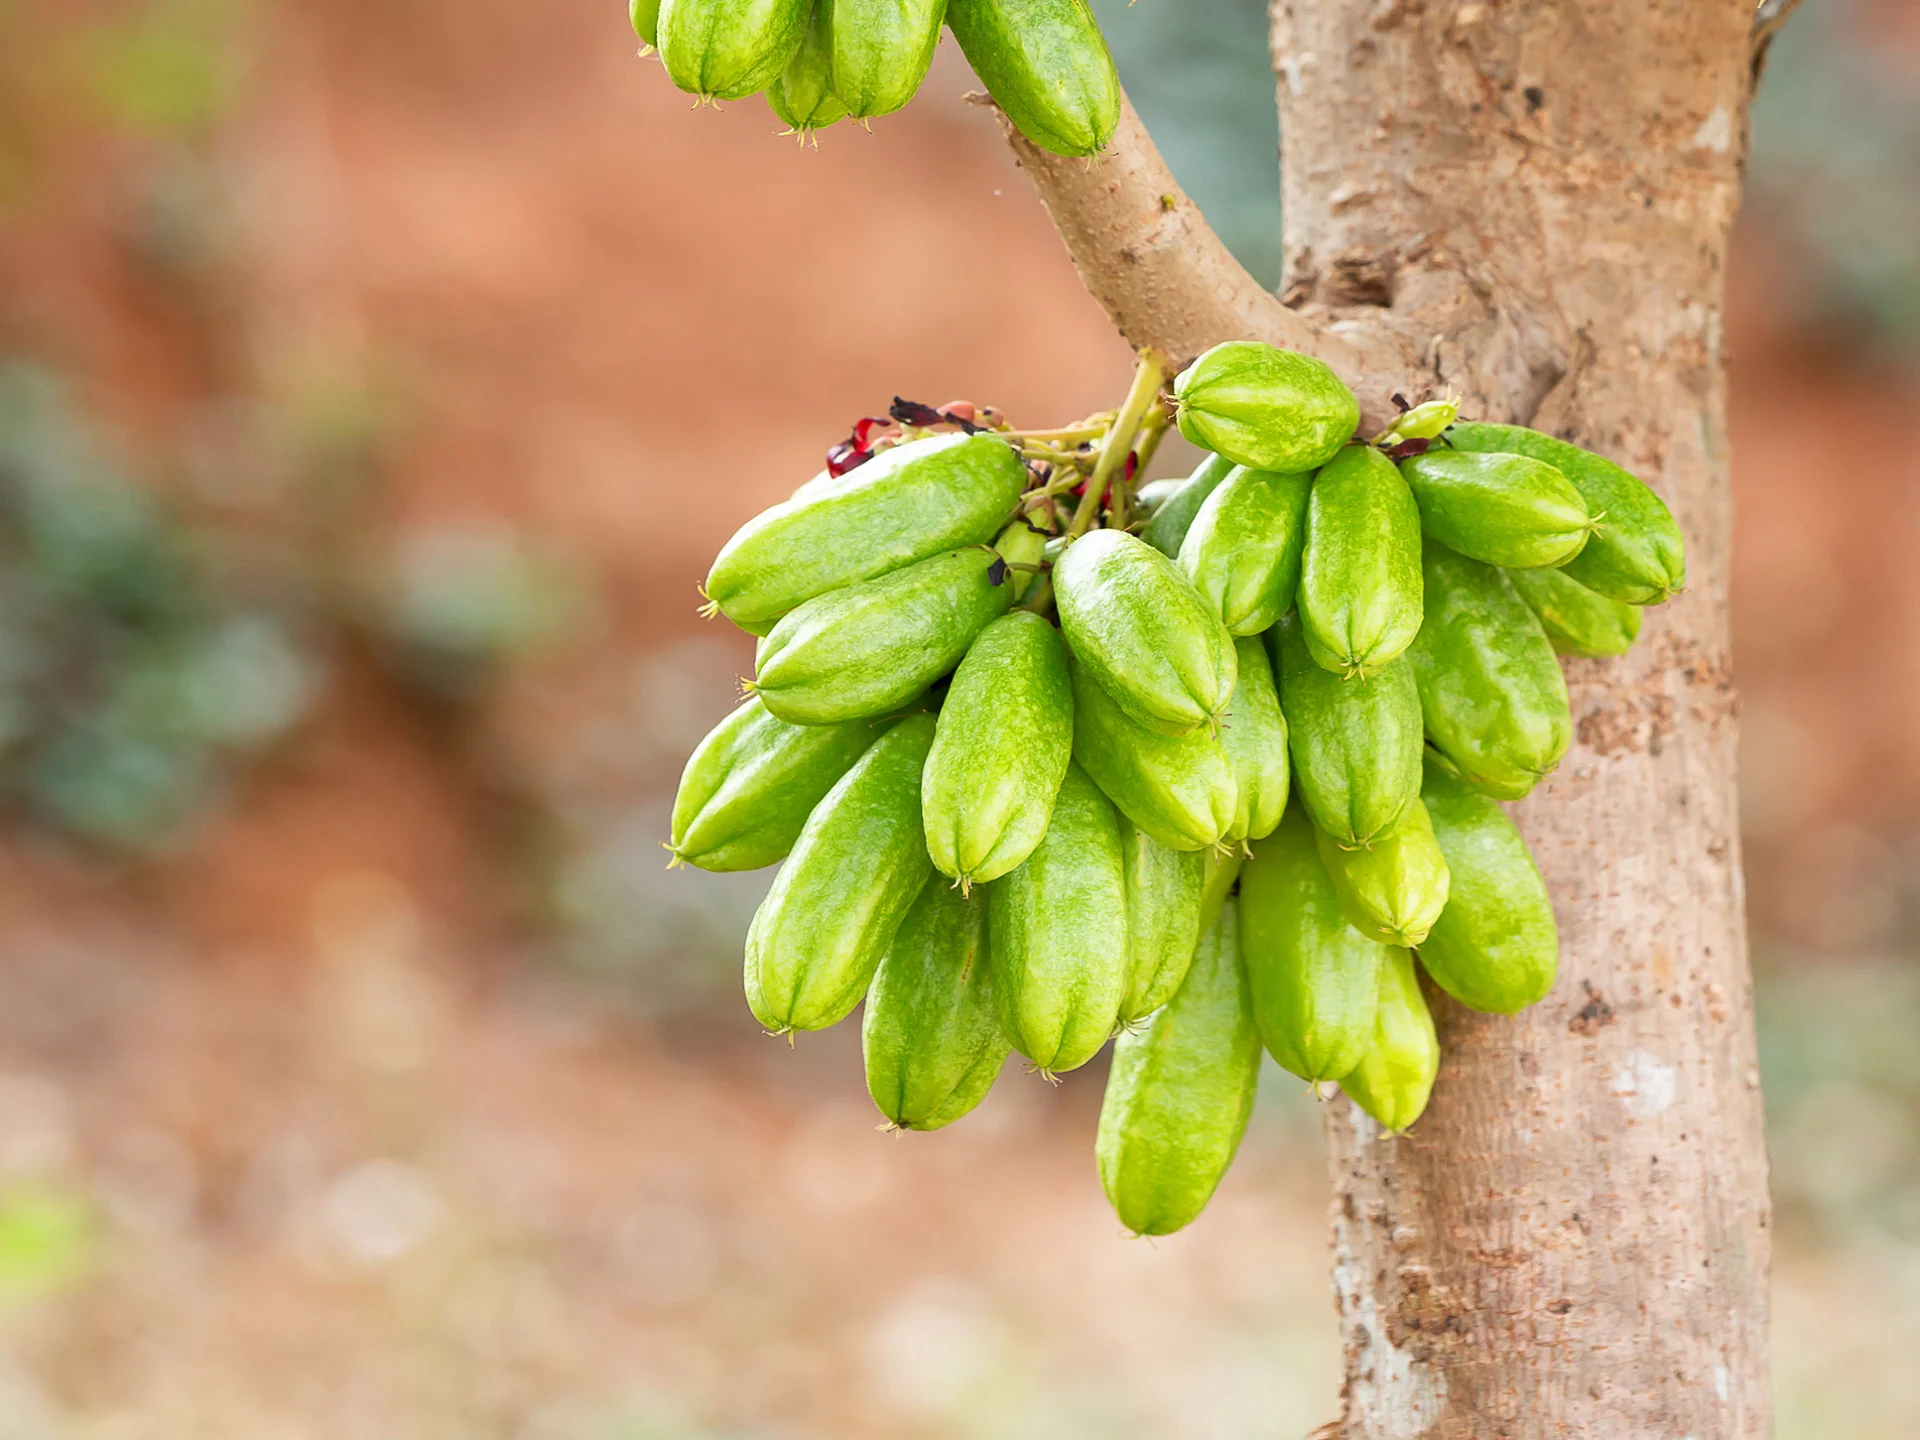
{"x":1578,"y":621}
{"x":1638,"y":555}
{"x":1178,"y":788}
{"x":881,"y":50}
{"x":1394,"y":1081}
{"x":1180,"y":1094}
{"x":858,"y":866}
{"x":645,"y":15}
{"x":1394,"y":890}
{"x":1004,"y":742}
{"x":1141,"y":629}
{"x":906,"y":504}
{"x":748,"y":788}
{"x":931,"y":1033}
{"x":1220,"y":875}
{"x":1491,"y":691}
{"x":1243,"y":550}
{"x":724,"y":49}
{"x":1266,"y":408}
{"x":1495,"y":947}
{"x":1360,"y":573}
{"x":1254,"y":736}
{"x":1057,"y":930}
{"x":1355,"y":743}
{"x":1504,"y":509}
{"x":1167,"y":528}
{"x":802,"y":95}
{"x":870,"y":648}
{"x":1165,"y":891}
{"x":1148,"y":499}
{"x":1315,"y":978}
{"x":1046,"y":64}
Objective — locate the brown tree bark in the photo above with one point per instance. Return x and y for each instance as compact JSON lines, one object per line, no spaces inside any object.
{"x":1528,"y":202}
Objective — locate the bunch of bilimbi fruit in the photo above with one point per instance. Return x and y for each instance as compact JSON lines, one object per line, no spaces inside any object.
{"x":822,"y":61}
{"x":983,"y":654}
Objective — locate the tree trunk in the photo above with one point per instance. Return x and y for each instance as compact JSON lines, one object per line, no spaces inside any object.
{"x":1527,"y":202}
{"x":1574,"y":1239}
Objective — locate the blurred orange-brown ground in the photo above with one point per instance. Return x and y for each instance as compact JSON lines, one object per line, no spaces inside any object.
{"x":360,"y":1160}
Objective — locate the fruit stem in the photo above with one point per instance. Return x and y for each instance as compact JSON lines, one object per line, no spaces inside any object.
{"x":1149,"y":376}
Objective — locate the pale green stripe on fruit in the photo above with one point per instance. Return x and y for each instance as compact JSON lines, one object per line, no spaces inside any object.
{"x":881,"y":50}
{"x":1508,"y":510}
{"x":1243,"y":550}
{"x":1166,"y":530}
{"x":1046,"y":64}
{"x":1578,"y":621}
{"x":726,"y":49}
{"x":1264,"y":407}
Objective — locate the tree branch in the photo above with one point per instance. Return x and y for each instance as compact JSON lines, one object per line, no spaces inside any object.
{"x":1768,"y":21}
{"x":1147,"y":254}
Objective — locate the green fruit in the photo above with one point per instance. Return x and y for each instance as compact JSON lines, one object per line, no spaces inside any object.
{"x":1360,"y":573}
{"x":1637,"y":556}
{"x":1165,"y":892}
{"x":1148,"y":499}
{"x":1023,"y":548}
{"x":1355,"y":743}
{"x":1178,"y":788}
{"x":870,"y":648}
{"x":1315,"y":978}
{"x":1180,"y":1094}
{"x":881,"y":50}
{"x":1141,"y":629}
{"x":1265,"y":408}
{"x":1395,"y":889}
{"x":802,"y":95}
{"x":1490,"y":688}
{"x":1057,"y":930}
{"x":645,"y":15}
{"x":748,"y":789}
{"x":858,"y":866}
{"x":1220,"y":874}
{"x":1504,"y":509}
{"x":1004,"y":742}
{"x":909,"y":503}
{"x":724,"y":49}
{"x":1395,"y":1079}
{"x":1254,"y":736}
{"x":1243,"y":550}
{"x":931,"y":1033}
{"x":1495,"y":947}
{"x":1046,"y":64}
{"x":1166,"y":528}
{"x":1578,"y":621}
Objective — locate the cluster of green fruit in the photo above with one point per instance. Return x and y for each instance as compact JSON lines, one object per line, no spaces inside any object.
{"x":822,"y":61}
{"x":1370,"y":626}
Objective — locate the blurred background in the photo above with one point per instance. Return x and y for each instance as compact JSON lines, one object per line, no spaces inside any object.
{"x":376,"y":382}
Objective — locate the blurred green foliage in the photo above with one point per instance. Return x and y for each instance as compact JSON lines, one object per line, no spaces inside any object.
{"x":130,"y":676}
{"x":1836,"y":159}
{"x":48,"y":1243}
{"x":166,"y":67}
